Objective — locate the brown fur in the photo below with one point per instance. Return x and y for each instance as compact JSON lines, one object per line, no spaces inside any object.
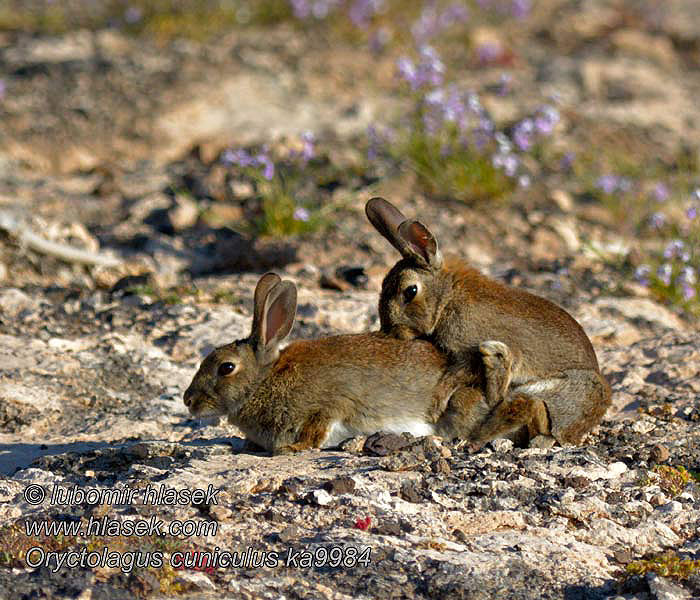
{"x":457,"y":308}
{"x":365,"y":381}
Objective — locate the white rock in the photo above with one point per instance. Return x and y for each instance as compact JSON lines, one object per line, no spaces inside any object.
{"x":500,"y":445}
{"x":642,"y":309}
{"x":322,"y":497}
{"x":70,"y":345}
{"x":670,"y":507}
{"x":663,"y":589}
{"x":199,"y":580}
{"x":615,"y":470}
{"x":14,"y":301}
{"x":36,"y":476}
{"x":644,"y":425}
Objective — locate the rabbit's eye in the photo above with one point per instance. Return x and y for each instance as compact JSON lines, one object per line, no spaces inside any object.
{"x":226,"y":369}
{"x":409,"y":293}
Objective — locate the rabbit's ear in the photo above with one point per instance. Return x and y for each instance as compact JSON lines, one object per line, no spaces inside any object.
{"x":386,"y":218}
{"x":262,"y":289}
{"x":277,"y":320}
{"x":420,"y":243}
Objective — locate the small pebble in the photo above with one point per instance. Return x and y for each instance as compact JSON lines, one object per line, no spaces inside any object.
{"x":623,"y":556}
{"x":288,"y":534}
{"x":220,"y":513}
{"x":339,"y":485}
{"x":659,"y":453}
{"x":321,"y":497}
{"x":670,"y":507}
{"x":410,"y":493}
{"x":441,"y":466}
{"x":382,"y":444}
{"x":501,"y":445}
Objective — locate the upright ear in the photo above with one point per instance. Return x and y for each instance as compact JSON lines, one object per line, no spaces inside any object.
{"x":411,"y":238}
{"x":421,"y":244}
{"x":277,"y":320}
{"x":262,"y":289}
{"x":386,"y":218}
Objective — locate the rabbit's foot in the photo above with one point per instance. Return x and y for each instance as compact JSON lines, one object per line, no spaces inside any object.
{"x":474,"y":447}
{"x":313,"y":433}
{"x":542,"y":441}
{"x":498,"y":363}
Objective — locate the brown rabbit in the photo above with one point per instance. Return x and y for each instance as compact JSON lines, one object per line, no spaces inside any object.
{"x":317,"y":393}
{"x":555,"y":376}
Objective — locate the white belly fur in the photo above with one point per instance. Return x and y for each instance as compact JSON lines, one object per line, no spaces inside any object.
{"x":340,"y":431}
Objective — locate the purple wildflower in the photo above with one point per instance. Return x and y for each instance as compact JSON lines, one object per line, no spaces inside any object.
{"x":664,"y":273}
{"x":510,"y":165}
{"x":687,"y":275}
{"x":546,"y":119}
{"x":642,"y":273}
{"x":608,"y":183}
{"x":133,"y":15}
{"x":660,"y":192}
{"x":301,"y":214}
{"x":301,"y":9}
{"x":673,"y":249}
{"x":657,"y":220}
{"x":692,"y":212}
{"x":407,"y":69}
{"x":431,"y":66}
{"x":431,"y":22}
{"x":506,"y":161}
{"x":266,"y":163}
{"x":688,"y":292}
{"x":378,"y":138}
{"x":307,"y":151}
{"x":524,"y":181}
{"x":454,"y":13}
{"x":362,"y":11}
{"x":320,"y":9}
{"x":379,"y":39}
{"x":487,"y":52}
{"x":504,"y":84}
{"x":237,"y":157}
{"x":522,"y":134}
{"x":521,"y":8}
{"x":567,"y":161}
{"x":430,"y":70}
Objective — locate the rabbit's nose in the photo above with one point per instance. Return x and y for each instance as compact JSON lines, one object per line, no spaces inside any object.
{"x":187,"y":397}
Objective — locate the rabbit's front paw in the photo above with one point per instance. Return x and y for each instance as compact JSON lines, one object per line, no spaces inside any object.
{"x":498,"y":363}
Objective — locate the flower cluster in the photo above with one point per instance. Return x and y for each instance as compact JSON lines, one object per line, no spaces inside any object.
{"x":278,"y":184}
{"x":317,"y":9}
{"x":242,"y":158}
{"x":676,"y":269}
{"x":517,"y":8}
{"x":428,"y":71}
{"x":360,"y":12}
{"x":611,"y":184}
{"x":432,"y":21}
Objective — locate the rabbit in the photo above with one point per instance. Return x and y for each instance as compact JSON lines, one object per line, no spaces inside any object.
{"x":316,"y":393}
{"x":557,"y":388}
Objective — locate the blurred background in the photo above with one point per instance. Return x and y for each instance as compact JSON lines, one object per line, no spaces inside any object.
{"x":157,"y":156}
{"x":551,"y":142}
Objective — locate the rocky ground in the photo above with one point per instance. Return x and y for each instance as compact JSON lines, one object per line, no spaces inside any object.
{"x":109,"y":143}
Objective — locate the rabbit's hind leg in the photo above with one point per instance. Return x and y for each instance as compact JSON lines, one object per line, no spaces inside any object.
{"x":312,"y":435}
{"x":498,"y":370}
{"x":516,"y":410}
{"x":576,"y":403}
